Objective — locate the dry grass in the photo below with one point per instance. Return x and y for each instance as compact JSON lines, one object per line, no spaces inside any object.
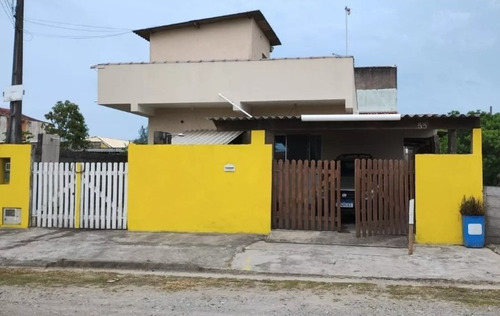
{"x":115,"y":281}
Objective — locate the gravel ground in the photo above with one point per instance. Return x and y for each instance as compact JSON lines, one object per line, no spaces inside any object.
{"x":145,"y":300}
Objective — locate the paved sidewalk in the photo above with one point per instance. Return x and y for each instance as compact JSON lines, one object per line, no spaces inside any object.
{"x":38,"y":247}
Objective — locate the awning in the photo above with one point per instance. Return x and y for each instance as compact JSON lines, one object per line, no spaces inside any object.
{"x":205,"y":137}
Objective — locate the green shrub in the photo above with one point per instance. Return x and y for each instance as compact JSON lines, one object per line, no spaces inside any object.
{"x":471,"y":206}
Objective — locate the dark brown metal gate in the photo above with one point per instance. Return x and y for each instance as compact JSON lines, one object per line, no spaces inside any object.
{"x":383,"y":189}
{"x":305,"y":195}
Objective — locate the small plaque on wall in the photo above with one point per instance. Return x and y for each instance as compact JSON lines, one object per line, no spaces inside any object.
{"x":229,"y":168}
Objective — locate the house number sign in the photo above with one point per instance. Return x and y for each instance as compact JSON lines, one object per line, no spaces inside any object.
{"x":422,"y":125}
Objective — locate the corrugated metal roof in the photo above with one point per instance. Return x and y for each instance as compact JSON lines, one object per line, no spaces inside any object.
{"x":253,"y":118}
{"x":109,"y":142}
{"x":405,"y":116}
{"x":205,"y":137}
{"x":256,"y":15}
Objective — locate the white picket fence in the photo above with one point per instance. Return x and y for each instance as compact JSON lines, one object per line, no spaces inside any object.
{"x":80,"y":195}
{"x":53,"y":194}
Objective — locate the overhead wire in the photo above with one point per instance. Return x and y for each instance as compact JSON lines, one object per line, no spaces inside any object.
{"x":105,"y":31}
{"x":5,"y":7}
{"x":73,"y":28}
{"x":74,"y":24}
{"x":74,"y":36}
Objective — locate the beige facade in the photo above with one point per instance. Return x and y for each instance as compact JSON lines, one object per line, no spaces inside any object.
{"x":221,"y":66}
{"x":234,"y":39}
{"x":169,"y":93}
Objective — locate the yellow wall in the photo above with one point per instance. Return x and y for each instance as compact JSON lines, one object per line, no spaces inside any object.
{"x":17,"y":192}
{"x":440,"y":183}
{"x":184,"y":188}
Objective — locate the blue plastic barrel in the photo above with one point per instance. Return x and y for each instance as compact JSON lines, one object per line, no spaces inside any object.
{"x":473,"y":231}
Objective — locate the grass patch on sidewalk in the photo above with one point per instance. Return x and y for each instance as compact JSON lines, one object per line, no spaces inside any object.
{"x":117,"y":281}
{"x":473,"y":297}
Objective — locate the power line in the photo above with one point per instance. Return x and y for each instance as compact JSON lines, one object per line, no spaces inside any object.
{"x":6,"y":10}
{"x":105,"y":31}
{"x":80,"y":25}
{"x":74,"y":29}
{"x":77,"y":37}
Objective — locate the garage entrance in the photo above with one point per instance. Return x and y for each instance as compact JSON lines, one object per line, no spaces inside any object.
{"x":308,"y":195}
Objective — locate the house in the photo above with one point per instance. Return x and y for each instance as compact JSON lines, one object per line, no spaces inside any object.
{"x":98,"y":142}
{"x":217,"y":74}
{"x":221,"y":67}
{"x":31,"y":127}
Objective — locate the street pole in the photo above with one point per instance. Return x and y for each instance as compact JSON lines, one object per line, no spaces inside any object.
{"x":14,"y":130}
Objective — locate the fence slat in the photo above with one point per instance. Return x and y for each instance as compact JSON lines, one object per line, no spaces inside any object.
{"x":65,"y":195}
{"x":306,"y":214}
{"x":105,"y":196}
{"x":298,"y":195}
{"x":324,"y":195}
{"x":34,"y":196}
{"x":319,"y":200}
{"x":312,"y":194}
{"x":59,"y":193}
{"x":119,"y":206}
{"x":125,"y":199}
{"x":338,"y":210}
{"x":114,"y":203}
{"x":280,"y":201}
{"x":369,"y":196}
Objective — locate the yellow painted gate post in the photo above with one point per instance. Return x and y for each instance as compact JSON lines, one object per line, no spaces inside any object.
{"x":78,"y":197}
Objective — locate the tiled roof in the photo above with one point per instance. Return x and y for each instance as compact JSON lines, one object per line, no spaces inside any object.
{"x":6,"y":112}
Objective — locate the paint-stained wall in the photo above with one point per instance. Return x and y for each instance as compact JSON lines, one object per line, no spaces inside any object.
{"x":184,"y":188}
{"x":15,"y":193}
{"x":440,"y":182}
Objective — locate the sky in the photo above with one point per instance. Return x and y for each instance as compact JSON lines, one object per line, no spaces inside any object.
{"x":447,"y":52}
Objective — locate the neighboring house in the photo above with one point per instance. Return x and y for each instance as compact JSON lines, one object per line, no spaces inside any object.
{"x":29,"y":125}
{"x":98,"y":142}
{"x":376,"y":89}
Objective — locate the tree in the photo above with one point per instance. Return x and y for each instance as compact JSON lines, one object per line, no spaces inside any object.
{"x":490,"y":126}
{"x":67,"y":122}
{"x":143,"y":136}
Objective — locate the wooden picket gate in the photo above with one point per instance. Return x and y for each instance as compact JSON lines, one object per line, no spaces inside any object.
{"x":305,"y":195}
{"x":77,"y":195}
{"x":383,"y":189}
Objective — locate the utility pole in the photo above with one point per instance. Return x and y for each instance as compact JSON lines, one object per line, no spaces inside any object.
{"x":14,"y":131}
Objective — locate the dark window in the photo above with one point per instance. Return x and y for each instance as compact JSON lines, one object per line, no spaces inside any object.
{"x":298,"y":147}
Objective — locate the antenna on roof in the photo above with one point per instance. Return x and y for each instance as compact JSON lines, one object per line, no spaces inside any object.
{"x":347,"y":12}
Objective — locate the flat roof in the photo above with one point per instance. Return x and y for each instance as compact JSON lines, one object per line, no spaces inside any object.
{"x":256,"y":15}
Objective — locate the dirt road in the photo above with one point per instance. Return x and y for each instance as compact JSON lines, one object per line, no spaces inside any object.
{"x":28,"y":292}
